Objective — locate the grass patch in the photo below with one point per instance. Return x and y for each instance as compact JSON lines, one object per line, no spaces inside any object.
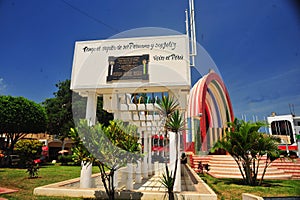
{"x":18,"y":179}
{"x":225,"y":188}
{"x":233,"y":188}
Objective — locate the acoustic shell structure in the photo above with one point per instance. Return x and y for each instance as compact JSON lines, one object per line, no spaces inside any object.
{"x":209,"y":111}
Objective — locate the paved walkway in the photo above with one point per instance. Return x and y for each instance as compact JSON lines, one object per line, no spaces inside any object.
{"x":149,"y":189}
{"x":6,"y":190}
{"x":152,"y":184}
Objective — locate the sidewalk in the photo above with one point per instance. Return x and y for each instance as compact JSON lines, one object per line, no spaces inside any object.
{"x":149,"y":189}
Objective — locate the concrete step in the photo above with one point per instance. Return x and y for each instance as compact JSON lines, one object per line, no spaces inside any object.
{"x":296,"y":178}
{"x":286,"y":165}
{"x":291,"y":167}
{"x":269,"y":170}
{"x":224,"y":166}
{"x":275,"y":177}
{"x":194,"y":160}
{"x":202,"y":157}
{"x":238,"y":173}
{"x":296,"y":170}
{"x":288,"y":160}
{"x":230,"y":166}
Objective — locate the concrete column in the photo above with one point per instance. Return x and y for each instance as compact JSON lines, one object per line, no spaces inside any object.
{"x":177,"y":185}
{"x":138,"y":169}
{"x":91,"y":108}
{"x":116,"y":178}
{"x":129,"y":183}
{"x":86,"y":169}
{"x":145,"y":159}
{"x":138,"y":172}
{"x":150,"y":166}
{"x":85,"y":175}
{"x":172,"y":145}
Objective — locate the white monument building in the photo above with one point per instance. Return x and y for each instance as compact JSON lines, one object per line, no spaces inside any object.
{"x":119,"y":69}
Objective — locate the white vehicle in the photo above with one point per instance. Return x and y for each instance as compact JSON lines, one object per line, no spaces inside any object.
{"x":287,"y":128}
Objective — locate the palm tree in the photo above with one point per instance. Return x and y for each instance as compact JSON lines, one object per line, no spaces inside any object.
{"x":174,"y":124}
{"x":166,"y":107}
{"x":247,"y":146}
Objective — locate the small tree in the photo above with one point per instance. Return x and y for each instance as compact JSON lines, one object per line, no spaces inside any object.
{"x":174,"y":124}
{"x":29,"y":150}
{"x":247,"y":146}
{"x":19,"y":116}
{"x":113,"y":147}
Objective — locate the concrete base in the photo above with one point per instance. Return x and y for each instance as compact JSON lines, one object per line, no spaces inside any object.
{"x":149,"y":189}
{"x":246,"y":196}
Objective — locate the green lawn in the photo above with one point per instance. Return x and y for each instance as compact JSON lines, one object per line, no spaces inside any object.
{"x":18,"y":179}
{"x":225,"y":188}
{"x":233,"y":188}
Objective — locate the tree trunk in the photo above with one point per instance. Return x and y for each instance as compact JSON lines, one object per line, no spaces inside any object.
{"x":108,"y":181}
{"x":14,"y":137}
{"x":255,"y":169}
{"x":112,"y":187}
{"x":247,"y":170}
{"x":7,"y":136}
{"x":103,"y":178}
{"x":240,"y":168}
{"x":171,"y":195}
{"x":263,"y":174}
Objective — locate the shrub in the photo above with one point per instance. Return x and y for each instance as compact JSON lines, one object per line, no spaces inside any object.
{"x":65,"y":159}
{"x":32,"y":169}
{"x":28,"y":150}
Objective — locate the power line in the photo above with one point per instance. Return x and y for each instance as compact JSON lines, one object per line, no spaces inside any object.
{"x":89,"y":16}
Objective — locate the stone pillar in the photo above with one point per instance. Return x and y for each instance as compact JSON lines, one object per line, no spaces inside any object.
{"x":129,"y":183}
{"x":116,"y":178}
{"x":85,"y":175}
{"x":172,"y":145}
{"x":138,"y":172}
{"x":91,"y":108}
{"x":86,"y":169}
{"x":138,"y":169}
{"x":150,"y":166}
{"x":145,"y":159}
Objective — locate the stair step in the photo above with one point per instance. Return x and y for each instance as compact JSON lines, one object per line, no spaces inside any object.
{"x":292,"y":172}
{"x":231,"y":165}
{"x":213,"y":168}
{"x":287,"y":165}
{"x":224,"y":166}
{"x":238,"y":173}
{"x":276,"y":177}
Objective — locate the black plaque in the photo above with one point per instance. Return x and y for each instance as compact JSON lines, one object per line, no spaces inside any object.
{"x":128,"y":67}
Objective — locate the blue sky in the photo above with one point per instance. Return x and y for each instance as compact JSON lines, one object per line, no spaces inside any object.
{"x":255,"y":44}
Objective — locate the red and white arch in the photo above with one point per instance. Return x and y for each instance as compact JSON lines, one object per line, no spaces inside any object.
{"x":209,"y":111}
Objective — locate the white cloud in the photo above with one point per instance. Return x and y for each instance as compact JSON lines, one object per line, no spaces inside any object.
{"x":2,"y":86}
